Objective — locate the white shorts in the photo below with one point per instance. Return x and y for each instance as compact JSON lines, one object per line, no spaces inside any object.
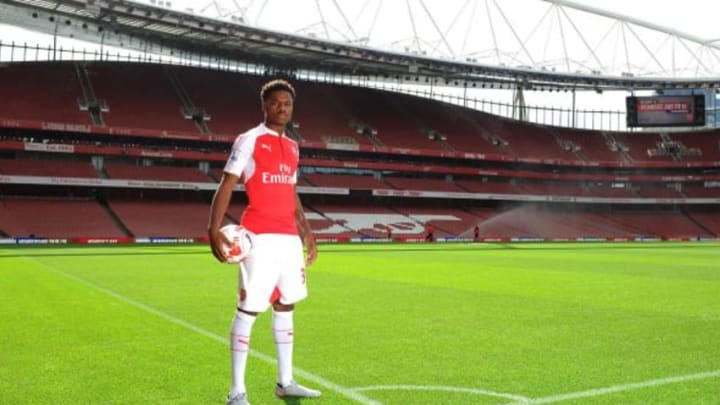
{"x":274,"y":270}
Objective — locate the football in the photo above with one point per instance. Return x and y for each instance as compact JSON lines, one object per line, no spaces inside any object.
{"x":241,"y":241}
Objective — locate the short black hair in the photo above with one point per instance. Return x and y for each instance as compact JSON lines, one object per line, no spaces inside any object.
{"x":276,"y":85}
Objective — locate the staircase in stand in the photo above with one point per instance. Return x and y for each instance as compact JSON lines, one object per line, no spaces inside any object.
{"x":189,"y":111}
{"x":114,"y":217}
{"x":88,"y":102}
{"x":617,"y":147}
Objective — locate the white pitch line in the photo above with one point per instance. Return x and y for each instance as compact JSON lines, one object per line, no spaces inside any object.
{"x":519,"y":398}
{"x":618,"y":388}
{"x":346,"y":392}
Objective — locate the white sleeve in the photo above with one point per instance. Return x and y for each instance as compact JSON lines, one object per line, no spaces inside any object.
{"x":241,"y":154}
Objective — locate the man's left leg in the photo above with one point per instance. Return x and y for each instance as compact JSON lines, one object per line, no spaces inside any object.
{"x":282,"y":324}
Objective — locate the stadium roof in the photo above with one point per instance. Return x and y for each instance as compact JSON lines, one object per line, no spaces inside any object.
{"x":146,"y":25}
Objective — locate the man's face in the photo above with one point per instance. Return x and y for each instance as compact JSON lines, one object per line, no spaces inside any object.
{"x":278,"y":108}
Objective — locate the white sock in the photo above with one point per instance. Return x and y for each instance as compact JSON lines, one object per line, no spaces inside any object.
{"x":240,"y":346}
{"x":282,"y":324}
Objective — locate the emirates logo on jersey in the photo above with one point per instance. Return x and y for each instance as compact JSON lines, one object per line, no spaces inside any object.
{"x":284,"y":176}
{"x":277,"y":178}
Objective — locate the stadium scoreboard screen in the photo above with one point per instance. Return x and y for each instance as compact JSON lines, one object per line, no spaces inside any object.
{"x":666,"y":111}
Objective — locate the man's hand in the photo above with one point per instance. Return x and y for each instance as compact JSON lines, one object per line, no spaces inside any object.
{"x":311,"y":247}
{"x":218,"y":240}
{"x":218,"y":208}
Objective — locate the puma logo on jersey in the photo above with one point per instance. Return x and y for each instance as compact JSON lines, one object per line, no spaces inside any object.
{"x":266,"y":146}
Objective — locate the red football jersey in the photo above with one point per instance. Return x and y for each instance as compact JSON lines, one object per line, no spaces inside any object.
{"x":267,"y":162}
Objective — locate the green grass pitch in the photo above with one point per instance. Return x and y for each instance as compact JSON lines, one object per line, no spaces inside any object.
{"x":396,"y":324}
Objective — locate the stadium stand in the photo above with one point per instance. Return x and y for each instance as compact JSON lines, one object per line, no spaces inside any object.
{"x":355,"y":182}
{"x":163,"y":173}
{"x":489,"y":187}
{"x":446,"y":124}
{"x":41,"y":91}
{"x":659,"y":191}
{"x":495,"y":223}
{"x":699,"y":191}
{"x":706,"y":143}
{"x":357,"y":139}
{"x":589,"y":146}
{"x":534,"y":222}
{"x":321,"y":116}
{"x":237,"y":206}
{"x":56,"y":218}
{"x":230,"y":101}
{"x":424,"y":184}
{"x":522,"y":139}
{"x":324,"y":226}
{"x":353,"y":220}
{"x":150,"y":218}
{"x":47,"y":168}
{"x":393,"y":124}
{"x":139,"y":96}
{"x":654,"y":222}
{"x":553,"y":189}
{"x":709,"y":220}
{"x":638,"y":145}
{"x":447,"y":222}
{"x":612,"y":192}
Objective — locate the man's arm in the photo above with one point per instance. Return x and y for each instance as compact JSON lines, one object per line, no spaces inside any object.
{"x":220,"y":204}
{"x":305,"y":232}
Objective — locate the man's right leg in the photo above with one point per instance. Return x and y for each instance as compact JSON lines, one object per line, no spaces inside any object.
{"x":240,"y":347}
{"x":256,"y":280}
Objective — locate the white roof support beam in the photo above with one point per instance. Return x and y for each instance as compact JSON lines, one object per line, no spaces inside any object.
{"x":347,"y":23}
{"x":564,"y":40}
{"x":631,"y":20}
{"x":644,"y":45}
{"x":492,"y":31}
{"x":515,"y":34}
{"x":437,"y":29}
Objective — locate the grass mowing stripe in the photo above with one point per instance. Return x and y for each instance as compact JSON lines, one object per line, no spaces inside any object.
{"x":346,"y":392}
{"x":619,"y":388}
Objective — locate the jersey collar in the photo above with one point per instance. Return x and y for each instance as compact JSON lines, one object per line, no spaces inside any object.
{"x":267,"y":130}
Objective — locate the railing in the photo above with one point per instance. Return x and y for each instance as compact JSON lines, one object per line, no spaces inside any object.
{"x":595,"y":119}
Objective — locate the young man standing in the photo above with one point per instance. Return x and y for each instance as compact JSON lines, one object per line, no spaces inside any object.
{"x":266,"y":160}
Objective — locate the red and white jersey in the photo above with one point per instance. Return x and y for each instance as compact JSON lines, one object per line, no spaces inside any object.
{"x":268,"y":163}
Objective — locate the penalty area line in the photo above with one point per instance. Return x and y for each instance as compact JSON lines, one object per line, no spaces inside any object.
{"x":618,"y":388}
{"x":346,"y":392}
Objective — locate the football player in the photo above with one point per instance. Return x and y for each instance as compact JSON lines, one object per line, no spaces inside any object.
{"x":265,"y":159}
